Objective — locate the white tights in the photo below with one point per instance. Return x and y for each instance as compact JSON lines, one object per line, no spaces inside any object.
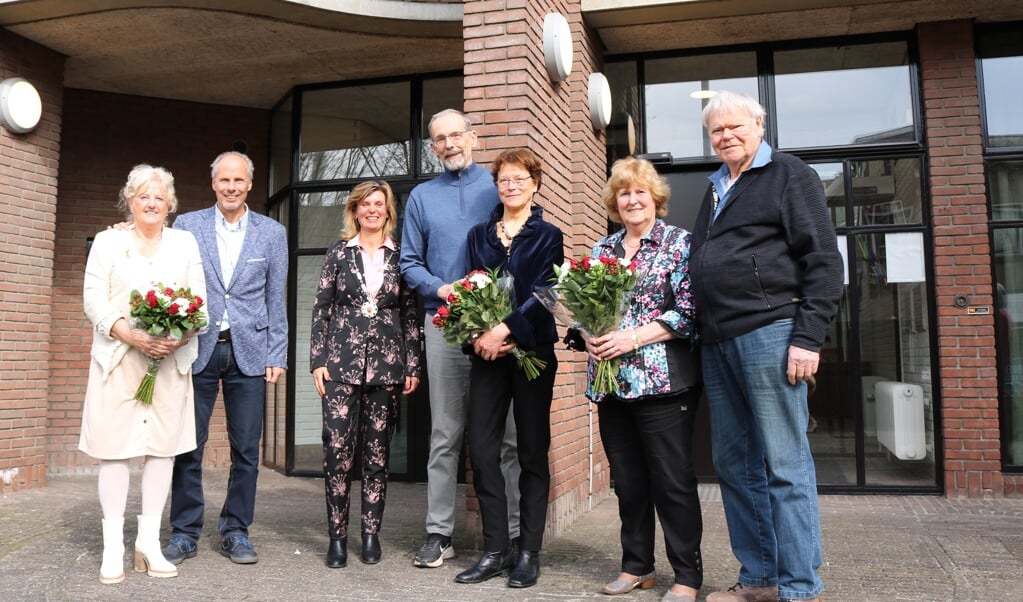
{"x":114,"y":478}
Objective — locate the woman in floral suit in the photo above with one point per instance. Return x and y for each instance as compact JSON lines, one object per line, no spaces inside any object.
{"x":365,"y":351}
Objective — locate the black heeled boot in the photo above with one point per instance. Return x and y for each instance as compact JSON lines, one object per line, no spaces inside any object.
{"x":490,"y":564}
{"x":337,"y":554}
{"x":526,"y":571}
{"x":370,"y":548}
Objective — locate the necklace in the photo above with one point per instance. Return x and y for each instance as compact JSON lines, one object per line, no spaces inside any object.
{"x":504,"y":231}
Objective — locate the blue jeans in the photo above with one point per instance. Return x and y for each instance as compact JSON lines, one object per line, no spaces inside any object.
{"x":244,"y":399}
{"x":762,"y":458}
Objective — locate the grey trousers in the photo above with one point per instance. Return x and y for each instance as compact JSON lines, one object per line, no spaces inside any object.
{"x":448,"y":371}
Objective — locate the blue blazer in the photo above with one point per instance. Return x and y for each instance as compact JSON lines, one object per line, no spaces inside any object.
{"x":255,"y":298}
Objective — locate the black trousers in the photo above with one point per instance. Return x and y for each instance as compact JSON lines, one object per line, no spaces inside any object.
{"x":492,"y":387}
{"x":365,"y":416}
{"x":649,"y":444}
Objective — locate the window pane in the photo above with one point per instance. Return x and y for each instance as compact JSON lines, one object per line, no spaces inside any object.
{"x":833,"y":178}
{"x":438,"y":94}
{"x":886,"y":191}
{"x":358,"y":131}
{"x":319,"y":218}
{"x":1005,"y":184}
{"x":280,"y":152}
{"x":844,"y":95}
{"x":623,"y":138}
{"x":308,"y":410}
{"x":1001,"y":66}
{"x":676,"y":91}
{"x":1009,"y":331}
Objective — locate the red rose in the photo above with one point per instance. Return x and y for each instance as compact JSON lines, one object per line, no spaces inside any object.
{"x":173,"y":309}
{"x":586,"y":262}
{"x":443,"y":312}
{"x":198,"y":300}
{"x":451,"y":298}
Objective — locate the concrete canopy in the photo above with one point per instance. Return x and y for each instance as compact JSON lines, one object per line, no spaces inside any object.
{"x":237,"y":52}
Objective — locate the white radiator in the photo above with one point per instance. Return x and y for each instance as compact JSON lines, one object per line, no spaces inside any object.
{"x":870,"y":405}
{"x":900,"y":419}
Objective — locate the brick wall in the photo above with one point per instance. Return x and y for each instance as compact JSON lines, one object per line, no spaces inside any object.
{"x":104,"y":136}
{"x":514,"y":104}
{"x":969,"y":378}
{"x":28,"y":202}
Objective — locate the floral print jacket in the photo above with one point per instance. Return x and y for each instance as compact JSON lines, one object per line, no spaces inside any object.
{"x":661,"y":294}
{"x":361,"y":350}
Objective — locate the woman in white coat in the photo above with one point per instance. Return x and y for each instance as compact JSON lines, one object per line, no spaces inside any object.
{"x":116,"y":427}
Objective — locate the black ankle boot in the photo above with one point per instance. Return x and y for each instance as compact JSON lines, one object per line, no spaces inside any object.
{"x":526,"y":571}
{"x":490,"y":564}
{"x":337,"y":553}
{"x":370,"y":548}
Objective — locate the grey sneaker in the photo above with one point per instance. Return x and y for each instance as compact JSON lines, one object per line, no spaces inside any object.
{"x":434,"y":552}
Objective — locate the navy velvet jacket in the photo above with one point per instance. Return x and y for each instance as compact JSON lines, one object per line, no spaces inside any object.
{"x":530,"y":259}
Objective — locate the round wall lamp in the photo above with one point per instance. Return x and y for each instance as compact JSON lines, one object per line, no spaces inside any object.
{"x":599,"y":101}
{"x":557,"y":46}
{"x":20,"y":105}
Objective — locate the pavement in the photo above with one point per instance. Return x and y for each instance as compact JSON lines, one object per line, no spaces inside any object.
{"x":875,"y":548}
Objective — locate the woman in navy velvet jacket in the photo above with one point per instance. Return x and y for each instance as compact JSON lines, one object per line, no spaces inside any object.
{"x":517,"y":240}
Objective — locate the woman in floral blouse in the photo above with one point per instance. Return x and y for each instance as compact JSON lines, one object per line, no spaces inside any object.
{"x":647,"y":425}
{"x":365,"y":351}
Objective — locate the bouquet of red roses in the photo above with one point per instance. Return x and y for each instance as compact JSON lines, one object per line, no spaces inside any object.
{"x":479,"y":302}
{"x":592,"y":294}
{"x":164,"y":311}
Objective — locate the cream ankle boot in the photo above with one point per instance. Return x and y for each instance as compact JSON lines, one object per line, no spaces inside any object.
{"x":148,"y":557}
{"x":112,"y":569}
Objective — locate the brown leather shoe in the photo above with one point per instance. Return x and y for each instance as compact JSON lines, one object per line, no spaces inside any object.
{"x":746,"y":593}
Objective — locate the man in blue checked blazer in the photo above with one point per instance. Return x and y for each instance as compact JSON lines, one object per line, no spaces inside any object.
{"x":245,"y":258}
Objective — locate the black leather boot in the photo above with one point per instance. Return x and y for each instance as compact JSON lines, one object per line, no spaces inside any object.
{"x":337,"y":553}
{"x":370,"y":548}
{"x":490,"y":564}
{"x":526,"y":571}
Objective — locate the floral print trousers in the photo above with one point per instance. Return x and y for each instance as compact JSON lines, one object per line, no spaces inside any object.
{"x":357,"y":418}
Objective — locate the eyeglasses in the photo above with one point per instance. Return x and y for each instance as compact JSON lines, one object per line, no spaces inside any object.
{"x":519,"y":181}
{"x":454,"y":137}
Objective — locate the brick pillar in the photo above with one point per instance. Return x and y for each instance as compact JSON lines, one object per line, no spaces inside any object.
{"x":513,"y":103}
{"x":28,"y":205}
{"x":962,"y":257}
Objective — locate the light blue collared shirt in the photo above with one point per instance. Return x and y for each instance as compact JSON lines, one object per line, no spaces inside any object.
{"x":721,"y":179}
{"x":230,"y":238}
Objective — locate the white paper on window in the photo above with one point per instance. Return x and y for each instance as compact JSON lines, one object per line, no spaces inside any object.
{"x":904,"y":257}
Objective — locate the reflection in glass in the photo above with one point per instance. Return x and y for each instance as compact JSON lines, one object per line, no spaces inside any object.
{"x":1001,"y":65}
{"x":438,"y":94}
{"x":356,"y":131}
{"x":1006,"y":190}
{"x":844,"y":95}
{"x":623,"y":137}
{"x":886,"y":191}
{"x":280,"y":151}
{"x":833,"y":179}
{"x":677,"y":90}
{"x":1005,"y":180}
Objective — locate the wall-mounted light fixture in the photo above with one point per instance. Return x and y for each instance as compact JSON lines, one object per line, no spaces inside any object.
{"x":599,"y":101}
{"x":20,"y":105}
{"x":557,"y":46}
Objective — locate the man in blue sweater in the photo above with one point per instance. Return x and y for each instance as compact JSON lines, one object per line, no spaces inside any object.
{"x":438,"y":217}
